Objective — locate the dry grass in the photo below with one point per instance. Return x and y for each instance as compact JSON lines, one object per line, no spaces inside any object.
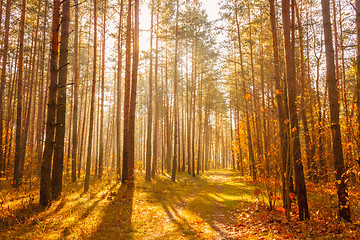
{"x":216,"y":205}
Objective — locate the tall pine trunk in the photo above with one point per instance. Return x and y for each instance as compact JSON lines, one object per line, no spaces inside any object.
{"x":150,"y":97}
{"x":248,"y":131}
{"x":308,"y":143}
{"x":76,"y":87}
{"x":280,"y":102}
{"x":333,"y":92}
{"x":118,"y":93}
{"x":45,"y":180}
{"x":134,"y":78}
{"x":2,"y":83}
{"x":174,"y":162}
{"x":292,"y":95}
{"x":101,"y":147}
{"x":92,"y":107}
{"x":126,"y":153}
{"x":156,"y":101}
{"x":19,"y":151}
{"x":58,"y":165}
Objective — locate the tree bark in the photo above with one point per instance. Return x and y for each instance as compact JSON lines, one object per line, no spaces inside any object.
{"x":101,"y":147}
{"x":2,"y":83}
{"x":156,"y":100}
{"x":76,"y":98}
{"x":92,"y":102}
{"x":118,"y":94}
{"x":280,"y":103}
{"x":58,"y":165}
{"x":150,"y":97}
{"x":134,"y":78}
{"x":174,"y":163}
{"x":126,"y":153}
{"x":45,"y":180}
{"x":19,"y":151}
{"x":308,"y":143}
{"x":250,"y":146}
{"x":292,"y":95}
{"x":333,"y":92}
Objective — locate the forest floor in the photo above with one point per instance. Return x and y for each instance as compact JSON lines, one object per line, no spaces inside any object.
{"x":216,"y":205}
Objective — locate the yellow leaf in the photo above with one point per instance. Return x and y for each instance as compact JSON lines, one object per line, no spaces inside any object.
{"x":247,"y":96}
{"x":263,"y":109}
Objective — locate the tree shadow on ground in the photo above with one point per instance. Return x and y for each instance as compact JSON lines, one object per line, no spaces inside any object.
{"x":35,"y":218}
{"x":116,"y":220}
{"x":206,"y":200}
{"x":27,"y":211}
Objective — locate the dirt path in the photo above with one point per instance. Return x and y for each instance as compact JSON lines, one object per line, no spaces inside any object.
{"x":202,"y":208}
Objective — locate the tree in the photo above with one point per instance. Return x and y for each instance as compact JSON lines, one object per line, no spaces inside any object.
{"x":58,"y":165}
{"x":91,"y":123}
{"x":343,"y":197}
{"x":126,"y":141}
{"x":149,"y":122}
{"x":45,"y":177}
{"x":19,"y":150}
{"x":118,"y":92}
{"x":156,"y":113}
{"x":247,"y":98}
{"x":174,"y":161}
{"x":3,"y":80}
{"x":76,"y":99}
{"x":280,"y":102}
{"x":291,"y":81}
{"x":101,"y":147}
{"x":134,"y":78}
{"x":357,"y":6}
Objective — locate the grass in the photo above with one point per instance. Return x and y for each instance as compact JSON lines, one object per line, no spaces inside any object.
{"x":159,"y":209}
{"x":215,"y":205}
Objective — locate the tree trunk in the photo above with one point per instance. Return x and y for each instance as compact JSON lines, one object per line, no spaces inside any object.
{"x":200,"y":130}
{"x":45,"y":181}
{"x":250,"y":146}
{"x":134,"y":79}
{"x":58,"y":165}
{"x":126,"y":153}
{"x":150,"y":97}
{"x":83,"y":135}
{"x":193,"y":104}
{"x":308,"y":143}
{"x":92,"y":102}
{"x":344,"y":204}
{"x":167,"y":117}
{"x":292,"y":95}
{"x":174,"y":163}
{"x":357,"y":20}
{"x":156,"y":99}
{"x":118,"y":94}
{"x":101,"y":148}
{"x":76,"y":98}
{"x":2,"y":83}
{"x":19,"y":151}
{"x":280,"y":102}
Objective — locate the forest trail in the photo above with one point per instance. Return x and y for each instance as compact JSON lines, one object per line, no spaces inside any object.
{"x":192,"y":208}
{"x":215,"y":205}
